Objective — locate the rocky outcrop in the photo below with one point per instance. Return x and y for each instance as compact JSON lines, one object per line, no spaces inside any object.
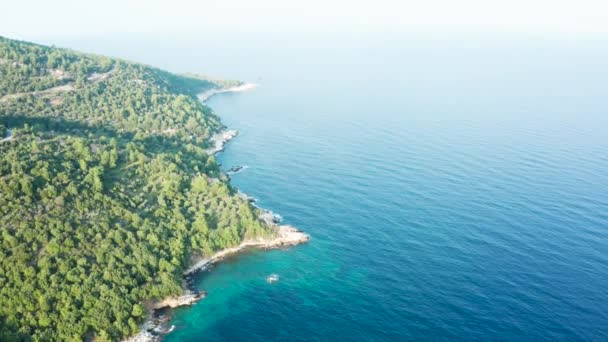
{"x":203,"y":97}
{"x":236,"y":169}
{"x":269,"y":217}
{"x":285,"y":235}
{"x":143,"y":336}
{"x":218,"y":141}
{"x":174,"y":302}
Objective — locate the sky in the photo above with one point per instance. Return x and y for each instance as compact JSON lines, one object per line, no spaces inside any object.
{"x":26,"y":19}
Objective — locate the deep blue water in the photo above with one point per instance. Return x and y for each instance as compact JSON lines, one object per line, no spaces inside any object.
{"x":454,"y":188}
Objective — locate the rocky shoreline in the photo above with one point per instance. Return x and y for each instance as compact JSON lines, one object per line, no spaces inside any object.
{"x":219,"y":140}
{"x":155,"y":325}
{"x":286,"y":236}
{"x":203,"y":97}
{"x":236,"y":169}
{"x":189,"y":298}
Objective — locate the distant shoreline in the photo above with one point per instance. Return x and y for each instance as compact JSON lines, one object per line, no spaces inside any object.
{"x":206,"y":95}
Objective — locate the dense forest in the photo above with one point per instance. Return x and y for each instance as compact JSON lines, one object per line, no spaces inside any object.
{"x":106,"y":192}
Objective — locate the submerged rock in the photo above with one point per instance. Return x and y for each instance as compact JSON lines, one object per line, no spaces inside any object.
{"x":235,"y":169}
{"x":272,"y":278}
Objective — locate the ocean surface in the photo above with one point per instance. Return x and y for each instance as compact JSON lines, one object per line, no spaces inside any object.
{"x":455,"y":188}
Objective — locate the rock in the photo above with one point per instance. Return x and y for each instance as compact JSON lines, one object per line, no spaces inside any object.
{"x":219,"y":140}
{"x":286,"y":235}
{"x":246,"y":197}
{"x":270,"y":218}
{"x":174,"y":302}
{"x":143,"y":336}
{"x":203,"y":97}
{"x":235,"y":169}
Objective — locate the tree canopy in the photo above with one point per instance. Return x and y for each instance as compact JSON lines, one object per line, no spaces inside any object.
{"x":106,"y":192}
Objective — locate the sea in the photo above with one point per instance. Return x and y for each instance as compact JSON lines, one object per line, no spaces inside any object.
{"x":455,"y":186}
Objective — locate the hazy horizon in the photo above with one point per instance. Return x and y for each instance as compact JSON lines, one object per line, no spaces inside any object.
{"x":68,"y":18}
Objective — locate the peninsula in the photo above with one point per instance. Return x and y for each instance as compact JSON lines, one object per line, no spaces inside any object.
{"x":110,"y":193}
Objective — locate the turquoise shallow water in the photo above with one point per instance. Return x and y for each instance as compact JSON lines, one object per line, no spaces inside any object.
{"x":454,"y":189}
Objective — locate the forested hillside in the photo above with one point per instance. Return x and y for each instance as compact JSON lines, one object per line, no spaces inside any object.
{"x":106,"y":192}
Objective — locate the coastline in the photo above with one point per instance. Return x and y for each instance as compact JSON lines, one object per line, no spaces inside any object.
{"x":287,"y":235}
{"x":154,"y":327}
{"x":206,"y":95}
